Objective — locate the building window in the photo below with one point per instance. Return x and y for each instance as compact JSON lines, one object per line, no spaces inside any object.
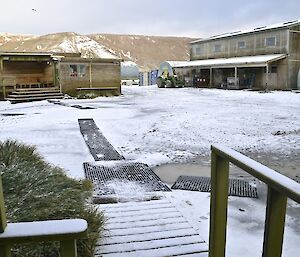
{"x":270,"y":41}
{"x":73,"y":71}
{"x":218,"y":48}
{"x":198,"y":50}
{"x":241,"y":44}
{"x":273,"y":69}
{"x":81,"y":70}
{"x":77,"y":70}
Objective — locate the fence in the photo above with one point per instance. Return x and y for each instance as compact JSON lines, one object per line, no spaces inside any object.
{"x":280,"y":188}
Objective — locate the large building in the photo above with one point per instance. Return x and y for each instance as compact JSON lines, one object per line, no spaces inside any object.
{"x":36,"y":76}
{"x":266,"y":57}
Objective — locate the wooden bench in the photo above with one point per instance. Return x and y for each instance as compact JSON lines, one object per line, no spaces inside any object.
{"x":96,"y":88}
{"x":66,"y":231}
{"x":101,"y":91}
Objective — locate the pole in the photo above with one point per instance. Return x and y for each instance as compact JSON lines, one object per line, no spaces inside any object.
{"x":210,"y":77}
{"x":235,"y":77}
{"x":267,"y":76}
{"x":90,"y":73}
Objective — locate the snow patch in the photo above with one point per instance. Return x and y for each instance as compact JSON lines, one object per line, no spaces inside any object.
{"x":86,"y":46}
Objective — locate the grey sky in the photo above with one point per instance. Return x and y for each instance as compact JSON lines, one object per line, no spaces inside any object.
{"x":193,"y":18}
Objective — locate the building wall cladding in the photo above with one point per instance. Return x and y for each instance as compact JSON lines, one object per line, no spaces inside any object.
{"x":21,"y":72}
{"x":255,"y":44}
{"x":102,"y":75}
{"x":294,"y":57}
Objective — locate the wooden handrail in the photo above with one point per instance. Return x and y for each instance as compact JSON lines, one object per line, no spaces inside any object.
{"x":280,"y":188}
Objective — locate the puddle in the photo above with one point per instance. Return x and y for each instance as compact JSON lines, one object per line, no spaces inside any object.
{"x":169,"y":173}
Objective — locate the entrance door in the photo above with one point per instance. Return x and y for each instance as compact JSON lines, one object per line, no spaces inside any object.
{"x":273,"y":77}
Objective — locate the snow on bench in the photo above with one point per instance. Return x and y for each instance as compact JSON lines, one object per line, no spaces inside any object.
{"x":55,"y":230}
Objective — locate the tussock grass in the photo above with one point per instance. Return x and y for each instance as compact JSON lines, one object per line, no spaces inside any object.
{"x":35,"y":190}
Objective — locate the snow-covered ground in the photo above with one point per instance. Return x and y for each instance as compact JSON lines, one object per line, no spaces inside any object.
{"x":158,"y":126}
{"x":162,"y":125}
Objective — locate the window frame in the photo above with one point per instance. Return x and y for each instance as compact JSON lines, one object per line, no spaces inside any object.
{"x":268,"y":38}
{"x":273,"y":69}
{"x":77,"y":70}
{"x":198,"y":50}
{"x":239,"y":46}
{"x":217,"y":48}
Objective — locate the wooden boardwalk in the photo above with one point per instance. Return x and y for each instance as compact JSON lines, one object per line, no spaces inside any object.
{"x":152,"y":228}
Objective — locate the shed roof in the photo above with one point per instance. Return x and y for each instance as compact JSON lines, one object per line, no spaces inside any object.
{"x":176,"y":63}
{"x":254,"y":61}
{"x":88,"y":60}
{"x":286,"y":24}
{"x":25,"y":54}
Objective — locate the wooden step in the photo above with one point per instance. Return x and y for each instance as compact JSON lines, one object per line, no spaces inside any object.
{"x":36,"y":89}
{"x":17,"y":96}
{"x":30,"y":99}
{"x":152,"y":228}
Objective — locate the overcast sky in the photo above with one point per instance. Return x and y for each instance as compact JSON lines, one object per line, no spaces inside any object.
{"x":192,"y":18}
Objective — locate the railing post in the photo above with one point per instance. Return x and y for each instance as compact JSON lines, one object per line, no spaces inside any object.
{"x":68,"y":248}
{"x":218,"y":205}
{"x":3,"y":221}
{"x":274,"y":224}
{"x":5,"y":251}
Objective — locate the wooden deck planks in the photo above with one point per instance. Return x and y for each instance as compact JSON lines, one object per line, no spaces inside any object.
{"x":152,"y":228}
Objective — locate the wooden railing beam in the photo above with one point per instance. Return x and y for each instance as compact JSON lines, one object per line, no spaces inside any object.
{"x":5,"y":251}
{"x":274,"y":224}
{"x":218,"y":205}
{"x":3,"y":221}
{"x":68,"y":248}
{"x":280,"y":188}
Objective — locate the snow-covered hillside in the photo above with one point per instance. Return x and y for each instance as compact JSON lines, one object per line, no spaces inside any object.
{"x":60,"y":42}
{"x":147,"y":51}
{"x":84,"y":45}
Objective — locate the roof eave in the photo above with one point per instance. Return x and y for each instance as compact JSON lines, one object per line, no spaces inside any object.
{"x":245,"y":33}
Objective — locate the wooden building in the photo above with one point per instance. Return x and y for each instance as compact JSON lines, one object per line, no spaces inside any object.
{"x":36,"y":76}
{"x":266,"y":57}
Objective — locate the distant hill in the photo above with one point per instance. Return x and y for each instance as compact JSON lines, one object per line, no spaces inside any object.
{"x":147,"y":51}
{"x":59,"y":42}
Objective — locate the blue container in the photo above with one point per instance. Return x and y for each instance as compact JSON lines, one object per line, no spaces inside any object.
{"x":153,"y":77}
{"x":149,"y":78}
{"x":141,"y":79}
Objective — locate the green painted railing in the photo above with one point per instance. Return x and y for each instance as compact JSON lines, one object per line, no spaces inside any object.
{"x":65,"y":231}
{"x":280,"y":188}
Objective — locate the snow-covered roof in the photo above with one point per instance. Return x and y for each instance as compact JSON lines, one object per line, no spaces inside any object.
{"x":257,"y":29}
{"x":128,"y":64}
{"x":25,"y":53}
{"x":257,"y":60}
{"x":175,"y":63}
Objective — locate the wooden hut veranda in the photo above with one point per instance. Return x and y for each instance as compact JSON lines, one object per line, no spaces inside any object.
{"x":36,"y":76}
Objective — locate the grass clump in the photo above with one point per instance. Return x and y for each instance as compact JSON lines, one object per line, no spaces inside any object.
{"x":34,"y":190}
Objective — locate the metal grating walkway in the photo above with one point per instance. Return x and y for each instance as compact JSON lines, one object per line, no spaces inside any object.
{"x":77,"y":106}
{"x":237,"y":187}
{"x":99,"y":146}
{"x":148,"y":229}
{"x":140,"y":174}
